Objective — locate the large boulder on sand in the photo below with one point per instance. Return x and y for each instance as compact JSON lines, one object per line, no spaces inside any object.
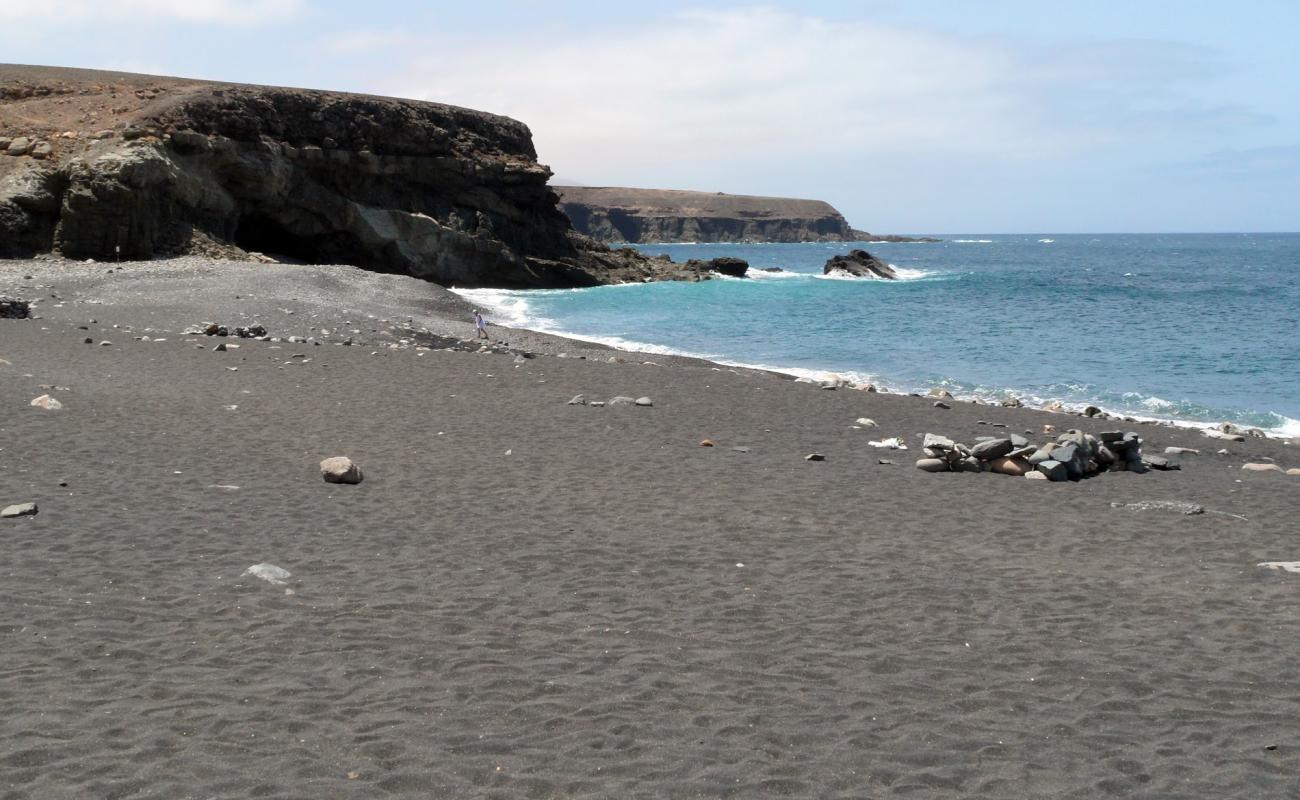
{"x":860,"y":264}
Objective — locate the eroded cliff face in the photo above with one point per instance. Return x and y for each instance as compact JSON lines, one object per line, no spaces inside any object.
{"x":111,"y":165}
{"x":614,"y":214}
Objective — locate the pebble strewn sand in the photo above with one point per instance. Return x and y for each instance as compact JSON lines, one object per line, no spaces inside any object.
{"x":608,"y":610}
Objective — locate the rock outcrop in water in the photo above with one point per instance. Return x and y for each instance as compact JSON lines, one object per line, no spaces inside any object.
{"x":859,"y":264}
{"x":112,"y":165}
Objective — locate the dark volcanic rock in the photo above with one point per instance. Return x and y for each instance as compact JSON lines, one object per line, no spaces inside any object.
{"x":860,"y":263}
{"x":13,"y":308}
{"x":733,"y":267}
{"x":443,"y":193}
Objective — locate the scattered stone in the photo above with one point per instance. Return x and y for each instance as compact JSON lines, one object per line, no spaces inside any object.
{"x":19,"y":510}
{"x":13,"y":308}
{"x":814,"y":457}
{"x":740,"y":449}
{"x":941,"y":393}
{"x":276,"y":576}
{"x":1175,"y":506}
{"x":1181,"y":451}
{"x":1229,"y":437}
{"x":621,"y":401}
{"x":932,"y":465}
{"x":220,"y":348}
{"x":340,"y":469}
{"x":1012,"y":401}
{"x":597,"y":404}
{"x":105,"y":343}
{"x":1160,"y":463}
{"x":644,"y":402}
{"x":1293,"y":471}
{"x":1035,"y":476}
{"x":1091,"y":411}
{"x":48,"y":403}
{"x":884,"y":461}
{"x":941,"y":404}
{"x":829,"y":385}
{"x":1054,"y":470}
{"x":1282,"y":566}
{"x":1010,"y":466}
{"x":864,"y":422}
{"x":1018,"y":441}
{"x":895,"y":443}
{"x":706,"y":443}
{"x":992,"y":449}
{"x":1256,"y":467}
{"x":87,"y":340}
{"x":578,"y":400}
{"x":1111,"y":436}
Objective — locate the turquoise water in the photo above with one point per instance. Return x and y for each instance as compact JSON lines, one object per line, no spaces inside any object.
{"x":1197,"y":328}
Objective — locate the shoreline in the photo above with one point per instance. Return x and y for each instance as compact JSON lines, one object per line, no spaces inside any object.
{"x":850,"y":379}
{"x":449,"y":306}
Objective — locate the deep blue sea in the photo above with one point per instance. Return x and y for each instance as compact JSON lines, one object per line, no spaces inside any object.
{"x":1198,"y":328}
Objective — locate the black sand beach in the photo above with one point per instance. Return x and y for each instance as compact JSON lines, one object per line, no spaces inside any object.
{"x":526,"y":598}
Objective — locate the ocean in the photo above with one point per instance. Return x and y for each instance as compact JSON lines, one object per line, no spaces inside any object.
{"x":1190,"y":328}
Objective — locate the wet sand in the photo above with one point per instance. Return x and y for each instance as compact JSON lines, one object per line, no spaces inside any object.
{"x":526,"y":598}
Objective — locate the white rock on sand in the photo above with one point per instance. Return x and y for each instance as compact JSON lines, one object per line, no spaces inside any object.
{"x":276,"y":576}
{"x":340,"y":469}
{"x":1283,"y":566}
{"x":48,"y":403}
{"x":1261,"y":467}
{"x":19,"y":510}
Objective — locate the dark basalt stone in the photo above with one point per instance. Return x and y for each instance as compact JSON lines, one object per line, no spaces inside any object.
{"x":861,"y":264}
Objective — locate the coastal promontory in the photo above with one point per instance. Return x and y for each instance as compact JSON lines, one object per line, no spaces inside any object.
{"x":617,"y":214}
{"x":115,"y":166}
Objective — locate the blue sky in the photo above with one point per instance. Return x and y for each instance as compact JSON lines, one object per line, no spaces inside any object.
{"x":916,"y":116}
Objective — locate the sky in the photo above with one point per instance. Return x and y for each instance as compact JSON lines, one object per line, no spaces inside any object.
{"x":909,"y":116}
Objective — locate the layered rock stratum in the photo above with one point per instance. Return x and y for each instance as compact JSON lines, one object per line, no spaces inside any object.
{"x":107,"y":166}
{"x":618,"y":214}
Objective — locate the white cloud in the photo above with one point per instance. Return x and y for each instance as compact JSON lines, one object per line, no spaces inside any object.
{"x":361,"y":41}
{"x":225,"y":12}
{"x":761,"y":83}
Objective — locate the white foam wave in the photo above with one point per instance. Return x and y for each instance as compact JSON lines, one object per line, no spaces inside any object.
{"x":504,"y":306}
{"x":761,"y":275}
{"x":903,"y":273}
{"x":973,"y":241}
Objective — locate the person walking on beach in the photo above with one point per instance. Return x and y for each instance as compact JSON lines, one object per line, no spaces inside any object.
{"x":480,"y":325}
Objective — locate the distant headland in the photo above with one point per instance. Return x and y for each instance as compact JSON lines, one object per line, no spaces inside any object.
{"x":613,"y":214}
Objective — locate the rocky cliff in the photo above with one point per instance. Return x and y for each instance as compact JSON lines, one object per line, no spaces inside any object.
{"x":113,"y":165}
{"x":612,"y":214}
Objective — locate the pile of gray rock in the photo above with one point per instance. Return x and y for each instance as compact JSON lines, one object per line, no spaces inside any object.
{"x":1073,"y":456}
{"x":25,"y":146}
{"x":213,"y":329}
{"x":13,"y":308}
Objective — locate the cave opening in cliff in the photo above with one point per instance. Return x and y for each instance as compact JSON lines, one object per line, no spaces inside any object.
{"x":261,"y":233}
